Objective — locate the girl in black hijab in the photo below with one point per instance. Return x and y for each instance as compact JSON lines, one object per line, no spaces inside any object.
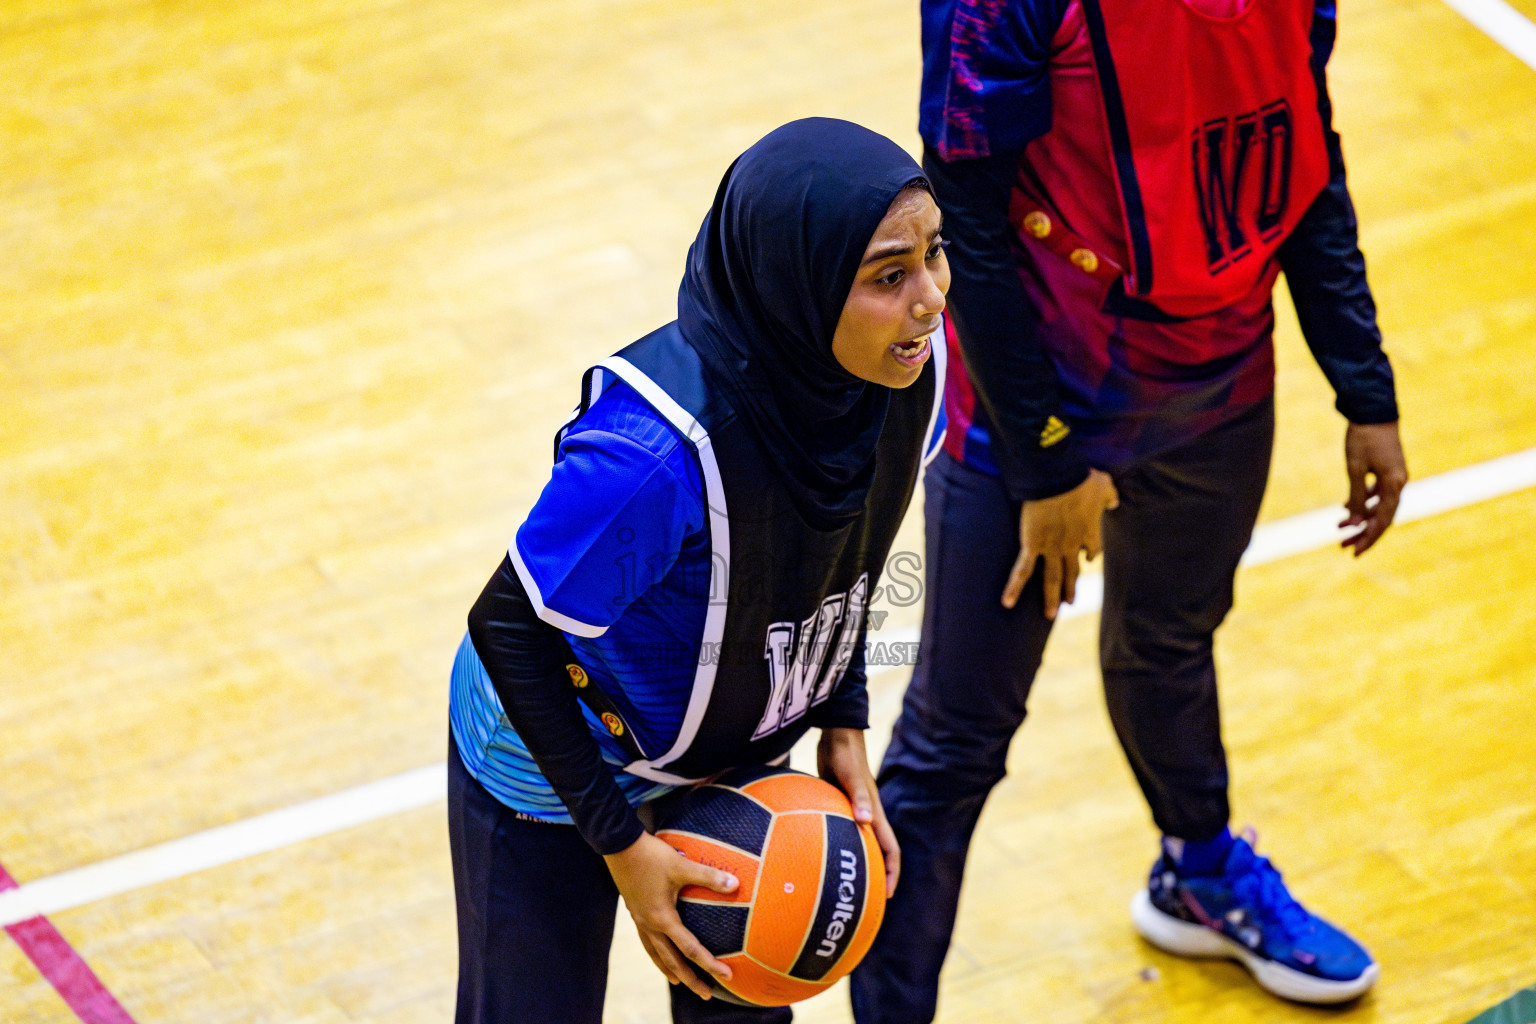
{"x":766,"y":282}
{"x":730,"y":485}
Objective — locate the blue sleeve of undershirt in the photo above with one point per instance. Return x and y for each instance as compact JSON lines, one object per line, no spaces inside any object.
{"x":624,"y":493}
{"x":985,"y":86}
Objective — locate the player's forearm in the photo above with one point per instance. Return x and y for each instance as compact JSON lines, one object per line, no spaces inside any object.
{"x":1325,"y":271}
{"x":1326,"y":274}
{"x":1013,"y":377}
{"x":525,"y":660}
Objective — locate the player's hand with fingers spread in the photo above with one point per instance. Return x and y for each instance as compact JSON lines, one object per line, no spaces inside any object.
{"x":1373,"y":458}
{"x":649,"y":874}
{"x":842,"y":761}
{"x":1055,"y":530}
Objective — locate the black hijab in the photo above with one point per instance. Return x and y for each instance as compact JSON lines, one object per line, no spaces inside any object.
{"x":765,"y":284}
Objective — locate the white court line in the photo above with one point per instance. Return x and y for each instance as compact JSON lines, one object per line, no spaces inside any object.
{"x":1501,"y":23}
{"x":202,"y":850}
{"x":422,"y":786}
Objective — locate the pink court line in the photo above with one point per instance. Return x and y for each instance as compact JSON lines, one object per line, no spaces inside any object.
{"x":68,"y":973}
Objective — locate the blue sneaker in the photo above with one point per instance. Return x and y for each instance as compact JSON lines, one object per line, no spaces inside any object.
{"x":1246,"y":914}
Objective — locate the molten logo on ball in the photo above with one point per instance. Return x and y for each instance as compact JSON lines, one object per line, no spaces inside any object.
{"x":844,"y":908}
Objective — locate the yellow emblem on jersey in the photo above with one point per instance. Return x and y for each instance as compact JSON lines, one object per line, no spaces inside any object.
{"x":578,"y":675}
{"x":1037,"y":224}
{"x":1085,"y":260}
{"x":1054,"y":431}
{"x":611,"y":720}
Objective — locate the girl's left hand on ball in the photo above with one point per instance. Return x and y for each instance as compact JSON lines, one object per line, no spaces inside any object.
{"x":842,"y":761}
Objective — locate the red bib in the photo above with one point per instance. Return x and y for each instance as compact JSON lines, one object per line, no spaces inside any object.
{"x":1209,"y":136}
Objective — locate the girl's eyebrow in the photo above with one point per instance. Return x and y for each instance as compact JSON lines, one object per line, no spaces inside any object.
{"x":898,"y":249}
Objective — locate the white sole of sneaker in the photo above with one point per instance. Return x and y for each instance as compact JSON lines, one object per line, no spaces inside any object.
{"x":1184,"y":939}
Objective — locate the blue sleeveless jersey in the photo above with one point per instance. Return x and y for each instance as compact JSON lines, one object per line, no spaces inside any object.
{"x":617,"y":549}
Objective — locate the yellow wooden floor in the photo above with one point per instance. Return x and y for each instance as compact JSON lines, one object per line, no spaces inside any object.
{"x":292,"y":299}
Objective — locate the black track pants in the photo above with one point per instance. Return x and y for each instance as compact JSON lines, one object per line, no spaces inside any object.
{"x":1170,"y":553}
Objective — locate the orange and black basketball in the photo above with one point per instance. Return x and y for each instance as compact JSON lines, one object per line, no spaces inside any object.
{"x":812,"y":882}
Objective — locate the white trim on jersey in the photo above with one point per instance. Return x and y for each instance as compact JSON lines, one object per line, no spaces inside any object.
{"x":558,"y":619}
{"x":549,"y":615}
{"x":719,"y":564}
{"x":938,"y":345}
{"x":594,"y":392}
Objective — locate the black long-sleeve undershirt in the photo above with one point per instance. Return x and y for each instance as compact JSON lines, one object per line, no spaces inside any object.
{"x":1325,"y":271}
{"x":525,"y":658}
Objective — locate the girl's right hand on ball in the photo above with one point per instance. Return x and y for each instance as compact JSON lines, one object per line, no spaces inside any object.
{"x":649,"y":874}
